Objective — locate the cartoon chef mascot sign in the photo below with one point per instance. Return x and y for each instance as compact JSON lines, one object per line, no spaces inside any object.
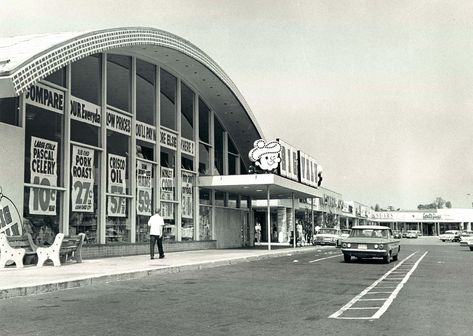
{"x":265,"y":155}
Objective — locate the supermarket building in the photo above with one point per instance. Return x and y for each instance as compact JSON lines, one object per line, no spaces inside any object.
{"x":99,"y":128}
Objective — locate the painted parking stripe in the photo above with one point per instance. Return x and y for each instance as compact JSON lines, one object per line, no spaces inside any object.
{"x":388,"y":300}
{"x":338,"y":255}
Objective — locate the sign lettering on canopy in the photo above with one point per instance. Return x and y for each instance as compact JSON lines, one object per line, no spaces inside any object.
{"x":116,"y":206}
{"x":265,"y":154}
{"x":82,"y":168}
{"x":308,"y":172}
{"x":289,"y":164}
{"x":144,"y":188}
{"x":43,"y":168}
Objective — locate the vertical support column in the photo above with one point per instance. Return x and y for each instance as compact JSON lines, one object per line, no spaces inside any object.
{"x":132,"y":156}
{"x":102,"y":213}
{"x":268,"y":218}
{"x":294,"y":220}
{"x":157,"y":147}
{"x":312,"y":218}
{"x":67,"y":156}
{"x":282,"y":224}
{"x":177,"y":168}
{"x":196,"y":169}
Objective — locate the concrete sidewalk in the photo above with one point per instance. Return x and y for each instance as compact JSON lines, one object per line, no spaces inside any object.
{"x":32,"y":280}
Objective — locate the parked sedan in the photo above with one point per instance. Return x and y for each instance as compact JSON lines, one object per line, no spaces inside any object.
{"x":412,"y":234}
{"x":327,"y":236}
{"x":371,"y":242}
{"x":466,"y":237}
{"x":345,"y":233}
{"x":450,"y":235}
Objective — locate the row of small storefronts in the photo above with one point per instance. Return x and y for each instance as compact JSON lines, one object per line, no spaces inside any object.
{"x":98,"y":129}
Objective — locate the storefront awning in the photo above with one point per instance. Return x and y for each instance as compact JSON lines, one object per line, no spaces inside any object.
{"x":256,"y":185}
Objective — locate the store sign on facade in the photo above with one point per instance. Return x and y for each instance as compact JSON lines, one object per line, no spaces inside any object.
{"x":82,"y":191}
{"x":265,"y":154}
{"x":86,"y":112}
{"x":145,"y":132}
{"x":299,"y":166}
{"x":45,"y":97}
{"x":118,"y":122}
{"x":289,"y":162}
{"x":43,"y":171}
{"x":168,"y":139}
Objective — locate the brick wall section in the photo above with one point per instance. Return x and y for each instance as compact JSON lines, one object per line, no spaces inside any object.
{"x":124,"y":249}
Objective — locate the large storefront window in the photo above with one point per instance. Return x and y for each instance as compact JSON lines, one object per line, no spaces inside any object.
{"x":204,"y":159}
{"x":10,"y":111}
{"x":205,"y":222}
{"x":187,"y":109}
{"x":118,"y":81}
{"x":218,"y":162}
{"x":144,"y":198}
{"x":43,"y":157}
{"x":204,"y":122}
{"x":58,"y":77}
{"x":187,"y":201}
{"x":118,"y":215}
{"x":168,"y":100}
{"x":145,"y":92}
{"x":85,"y":78}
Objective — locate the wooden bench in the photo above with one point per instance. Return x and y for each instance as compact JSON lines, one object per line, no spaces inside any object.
{"x":62,"y":249}
{"x":18,"y":249}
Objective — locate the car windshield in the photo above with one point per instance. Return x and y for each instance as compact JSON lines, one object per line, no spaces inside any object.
{"x":328,"y":231}
{"x":376,"y":233}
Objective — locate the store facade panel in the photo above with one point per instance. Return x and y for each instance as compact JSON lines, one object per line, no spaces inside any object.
{"x":114,"y":124}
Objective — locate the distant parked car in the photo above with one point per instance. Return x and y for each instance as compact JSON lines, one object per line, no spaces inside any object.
{"x":450,"y":235}
{"x":397,"y":234}
{"x":412,"y":234}
{"x":465,"y":237}
{"x":345,"y":233}
{"x":371,"y":242}
{"x":327,"y":236}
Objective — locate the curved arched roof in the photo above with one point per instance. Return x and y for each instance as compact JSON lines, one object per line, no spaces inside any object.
{"x":27,"y":59}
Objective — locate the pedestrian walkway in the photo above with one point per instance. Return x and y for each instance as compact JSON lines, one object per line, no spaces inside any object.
{"x":32,"y":280}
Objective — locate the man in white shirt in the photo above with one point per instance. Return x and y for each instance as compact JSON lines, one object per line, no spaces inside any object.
{"x":156,"y":224}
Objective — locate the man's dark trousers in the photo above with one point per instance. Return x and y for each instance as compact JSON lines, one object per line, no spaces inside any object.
{"x":152,"y":242}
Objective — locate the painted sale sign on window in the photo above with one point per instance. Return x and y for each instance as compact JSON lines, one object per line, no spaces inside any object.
{"x":82,"y":191}
{"x":43,"y":168}
{"x":144,"y":188}
{"x":116,"y":206}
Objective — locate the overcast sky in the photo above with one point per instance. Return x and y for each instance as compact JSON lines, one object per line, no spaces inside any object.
{"x":379,"y":92}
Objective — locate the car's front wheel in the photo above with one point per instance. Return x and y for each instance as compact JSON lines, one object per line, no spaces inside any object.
{"x":387,"y":258}
{"x":347,"y":258}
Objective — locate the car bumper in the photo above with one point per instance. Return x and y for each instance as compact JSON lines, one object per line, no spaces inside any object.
{"x":365,"y":253}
